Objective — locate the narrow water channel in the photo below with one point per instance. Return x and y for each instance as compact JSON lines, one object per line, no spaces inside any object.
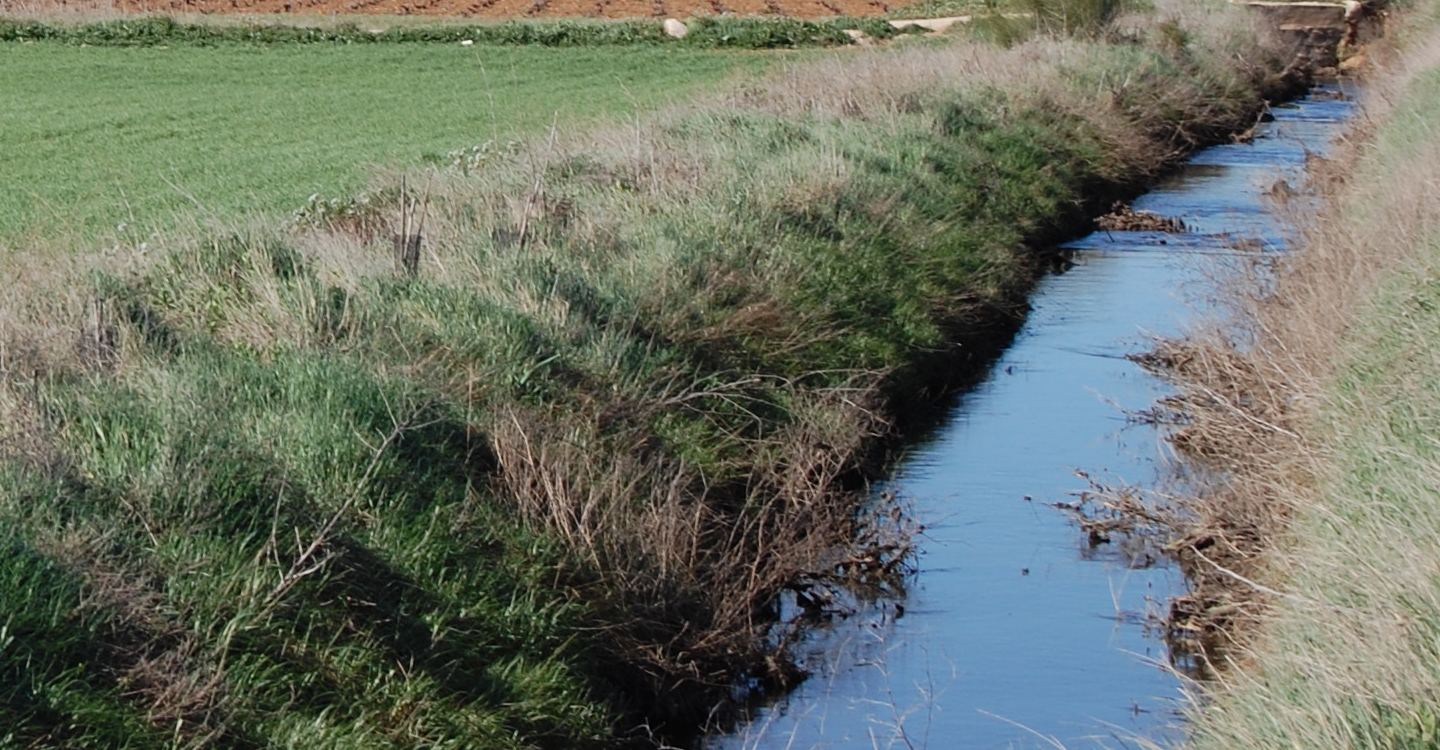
{"x":1016,"y":633}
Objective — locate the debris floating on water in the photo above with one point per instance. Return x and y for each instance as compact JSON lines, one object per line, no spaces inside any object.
{"x":1123,"y":218}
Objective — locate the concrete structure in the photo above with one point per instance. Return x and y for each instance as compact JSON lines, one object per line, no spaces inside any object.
{"x":1320,"y":29}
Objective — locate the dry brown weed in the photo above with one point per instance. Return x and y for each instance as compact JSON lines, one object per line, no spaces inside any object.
{"x":1249,"y":380}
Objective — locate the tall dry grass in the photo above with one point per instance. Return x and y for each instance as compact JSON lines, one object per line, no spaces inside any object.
{"x":1253,"y":376}
{"x":1312,"y":406}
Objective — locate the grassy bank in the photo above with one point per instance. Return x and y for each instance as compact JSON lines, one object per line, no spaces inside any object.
{"x":1322,"y":406}
{"x":545,"y":479}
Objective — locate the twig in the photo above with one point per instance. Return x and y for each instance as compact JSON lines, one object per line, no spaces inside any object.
{"x":537,"y":191}
{"x":1051,"y":741}
{"x":1247,"y":417}
{"x":303,"y":565}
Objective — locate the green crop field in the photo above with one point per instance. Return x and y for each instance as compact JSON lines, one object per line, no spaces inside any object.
{"x":96,"y":137}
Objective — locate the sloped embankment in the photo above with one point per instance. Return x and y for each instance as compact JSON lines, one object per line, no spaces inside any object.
{"x":1320,"y":402}
{"x":541,"y":476}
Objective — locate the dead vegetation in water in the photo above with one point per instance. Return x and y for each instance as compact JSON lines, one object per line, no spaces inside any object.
{"x":1243,"y":390}
{"x":1234,"y":425}
{"x":1123,"y":218}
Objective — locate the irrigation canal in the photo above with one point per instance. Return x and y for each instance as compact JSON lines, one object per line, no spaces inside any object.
{"x":1016,"y":632}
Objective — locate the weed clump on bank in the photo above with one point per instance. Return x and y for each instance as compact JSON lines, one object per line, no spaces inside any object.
{"x":550,"y":476}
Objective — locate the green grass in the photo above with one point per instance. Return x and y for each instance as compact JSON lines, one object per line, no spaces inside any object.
{"x":426,"y":607}
{"x":552,"y":484}
{"x":152,"y":137}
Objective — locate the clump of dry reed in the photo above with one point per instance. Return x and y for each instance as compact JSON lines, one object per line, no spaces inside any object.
{"x":678,"y":554}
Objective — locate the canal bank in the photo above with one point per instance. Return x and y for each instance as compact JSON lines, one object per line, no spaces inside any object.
{"x":1317,"y":398}
{"x":1018,"y":629}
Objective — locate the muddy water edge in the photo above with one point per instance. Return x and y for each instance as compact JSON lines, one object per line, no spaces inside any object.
{"x":1019,"y":630}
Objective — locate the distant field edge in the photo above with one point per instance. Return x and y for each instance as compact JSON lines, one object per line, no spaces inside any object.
{"x":752,"y":32}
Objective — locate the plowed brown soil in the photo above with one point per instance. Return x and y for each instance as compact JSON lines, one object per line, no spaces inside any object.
{"x":480,"y":9}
